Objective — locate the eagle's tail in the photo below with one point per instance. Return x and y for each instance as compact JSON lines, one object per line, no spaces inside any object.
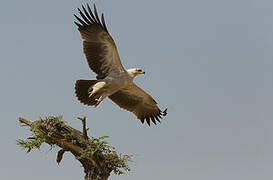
{"x":82,"y":89}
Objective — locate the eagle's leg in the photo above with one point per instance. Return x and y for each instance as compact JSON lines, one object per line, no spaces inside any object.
{"x":99,"y":100}
{"x":96,"y":90}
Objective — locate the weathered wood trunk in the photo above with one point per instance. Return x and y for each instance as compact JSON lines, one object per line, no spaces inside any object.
{"x":90,"y":174}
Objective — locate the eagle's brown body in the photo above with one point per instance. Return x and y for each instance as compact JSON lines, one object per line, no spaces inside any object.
{"x":113,"y":80}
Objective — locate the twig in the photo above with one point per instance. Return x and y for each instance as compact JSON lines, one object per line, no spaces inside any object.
{"x":24,"y":121}
{"x":84,"y":130}
{"x":60,"y":155}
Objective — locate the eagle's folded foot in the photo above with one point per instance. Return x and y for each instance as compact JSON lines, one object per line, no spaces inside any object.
{"x":97,"y":103}
{"x":98,"y":100}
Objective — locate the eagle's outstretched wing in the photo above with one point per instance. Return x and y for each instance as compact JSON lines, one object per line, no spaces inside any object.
{"x":134,"y":99}
{"x":98,"y":46}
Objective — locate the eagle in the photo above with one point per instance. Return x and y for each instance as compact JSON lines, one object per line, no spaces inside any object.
{"x":112,"y":79}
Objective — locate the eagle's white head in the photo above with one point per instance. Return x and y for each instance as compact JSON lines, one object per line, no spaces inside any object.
{"x":134,"y":72}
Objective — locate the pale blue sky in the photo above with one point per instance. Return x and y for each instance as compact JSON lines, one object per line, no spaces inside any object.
{"x":210,"y":62}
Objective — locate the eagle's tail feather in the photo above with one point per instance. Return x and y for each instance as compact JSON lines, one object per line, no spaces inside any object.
{"x":82,"y":89}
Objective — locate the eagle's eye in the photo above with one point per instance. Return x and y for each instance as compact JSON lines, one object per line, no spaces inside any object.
{"x":139,"y":70}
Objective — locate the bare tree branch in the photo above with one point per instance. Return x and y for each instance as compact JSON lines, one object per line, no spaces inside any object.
{"x":84,"y":130}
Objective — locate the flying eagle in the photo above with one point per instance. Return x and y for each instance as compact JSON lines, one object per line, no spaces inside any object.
{"x":113,"y":80}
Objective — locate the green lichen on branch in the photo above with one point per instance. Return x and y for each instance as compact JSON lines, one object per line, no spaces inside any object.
{"x":48,"y":129}
{"x":38,"y":137}
{"x":106,"y":155}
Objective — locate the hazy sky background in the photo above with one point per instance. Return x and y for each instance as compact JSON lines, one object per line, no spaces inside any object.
{"x":210,"y":62}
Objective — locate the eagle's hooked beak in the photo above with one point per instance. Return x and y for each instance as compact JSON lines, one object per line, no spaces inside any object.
{"x":140,"y":71}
